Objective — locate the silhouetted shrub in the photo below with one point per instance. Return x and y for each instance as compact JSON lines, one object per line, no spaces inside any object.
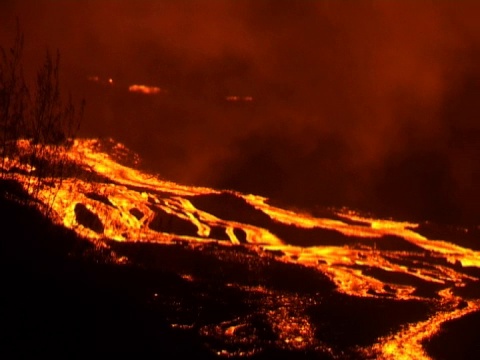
{"x":36,"y":114}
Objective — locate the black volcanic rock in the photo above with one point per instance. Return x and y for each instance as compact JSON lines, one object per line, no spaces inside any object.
{"x":423,"y":288}
{"x":241,"y":236}
{"x":463,"y":236}
{"x":470,"y":291}
{"x":165,"y":222}
{"x":394,"y":243}
{"x":137,"y":213}
{"x":232,"y":264}
{"x":347,"y":321}
{"x":13,"y":190}
{"x":229,"y":207}
{"x":218,"y":233}
{"x":458,"y":339}
{"x":88,"y":218}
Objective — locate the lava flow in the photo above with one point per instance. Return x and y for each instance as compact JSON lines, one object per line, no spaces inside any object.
{"x":103,"y":199}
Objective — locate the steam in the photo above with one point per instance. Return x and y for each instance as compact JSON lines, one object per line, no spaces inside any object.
{"x":366,"y":104}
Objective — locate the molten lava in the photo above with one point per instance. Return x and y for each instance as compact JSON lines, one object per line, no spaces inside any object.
{"x":135,"y":88}
{"x":144,"y":89}
{"x":363,"y":256}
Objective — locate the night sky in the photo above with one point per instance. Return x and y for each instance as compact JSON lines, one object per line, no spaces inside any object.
{"x":371,"y":104}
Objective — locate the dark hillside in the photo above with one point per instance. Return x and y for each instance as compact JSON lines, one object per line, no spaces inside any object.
{"x":62,"y":297}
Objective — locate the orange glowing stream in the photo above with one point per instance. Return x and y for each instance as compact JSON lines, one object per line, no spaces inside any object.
{"x":129,"y":189}
{"x":145,"y":89}
{"x":407,"y":344}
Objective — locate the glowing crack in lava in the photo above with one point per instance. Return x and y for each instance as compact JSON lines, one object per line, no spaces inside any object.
{"x":364,"y":257}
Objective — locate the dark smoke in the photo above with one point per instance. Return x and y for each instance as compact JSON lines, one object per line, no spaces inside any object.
{"x":370,"y":104}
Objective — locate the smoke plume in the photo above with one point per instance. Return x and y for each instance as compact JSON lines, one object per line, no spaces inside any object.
{"x":369,"y":104}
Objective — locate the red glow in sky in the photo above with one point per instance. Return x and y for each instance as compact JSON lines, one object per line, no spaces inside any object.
{"x":367,"y":103}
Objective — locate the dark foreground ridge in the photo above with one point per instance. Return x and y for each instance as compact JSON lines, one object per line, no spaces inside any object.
{"x":458,"y":339}
{"x":64,"y":296}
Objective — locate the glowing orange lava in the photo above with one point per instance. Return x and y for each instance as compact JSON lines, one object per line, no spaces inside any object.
{"x":128,"y":189}
{"x":144,"y":89}
{"x":236,"y":98}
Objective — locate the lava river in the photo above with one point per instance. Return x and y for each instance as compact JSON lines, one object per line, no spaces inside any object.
{"x":107,"y":198}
